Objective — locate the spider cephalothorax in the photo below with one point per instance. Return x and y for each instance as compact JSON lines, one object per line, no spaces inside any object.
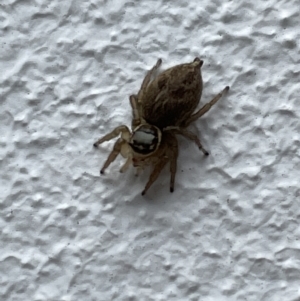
{"x":163,"y":108}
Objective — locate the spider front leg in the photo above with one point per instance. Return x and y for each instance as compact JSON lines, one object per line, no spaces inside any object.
{"x":122,"y":129}
{"x":126,"y":152}
{"x":113,"y":155}
{"x":119,"y":146}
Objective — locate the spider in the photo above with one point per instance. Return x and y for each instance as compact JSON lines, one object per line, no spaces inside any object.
{"x":163,"y":108}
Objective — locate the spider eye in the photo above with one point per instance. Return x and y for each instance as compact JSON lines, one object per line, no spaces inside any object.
{"x":145,"y":139}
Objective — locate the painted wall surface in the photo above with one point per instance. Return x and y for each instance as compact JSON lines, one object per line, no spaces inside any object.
{"x":230,"y":231}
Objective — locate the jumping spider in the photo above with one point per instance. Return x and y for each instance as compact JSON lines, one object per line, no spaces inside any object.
{"x":163,"y":108}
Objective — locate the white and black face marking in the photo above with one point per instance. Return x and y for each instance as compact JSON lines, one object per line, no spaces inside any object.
{"x":145,"y":139}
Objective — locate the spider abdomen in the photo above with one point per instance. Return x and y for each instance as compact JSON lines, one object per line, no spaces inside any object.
{"x":173,"y":95}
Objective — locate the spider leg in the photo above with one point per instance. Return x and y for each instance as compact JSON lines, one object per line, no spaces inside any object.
{"x":206,"y":107}
{"x":173,"y":154}
{"x":189,"y":135}
{"x":147,"y":78}
{"x":136,"y":115}
{"x":113,"y":155}
{"x":126,"y":152}
{"x":155,"y":173}
{"x":122,"y":129}
{"x":126,"y":165}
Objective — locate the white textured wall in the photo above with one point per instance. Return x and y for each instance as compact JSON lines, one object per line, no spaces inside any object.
{"x":230,"y":231}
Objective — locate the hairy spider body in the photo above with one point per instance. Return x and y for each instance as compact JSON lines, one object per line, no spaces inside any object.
{"x":163,"y":108}
{"x":172,"y":97}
